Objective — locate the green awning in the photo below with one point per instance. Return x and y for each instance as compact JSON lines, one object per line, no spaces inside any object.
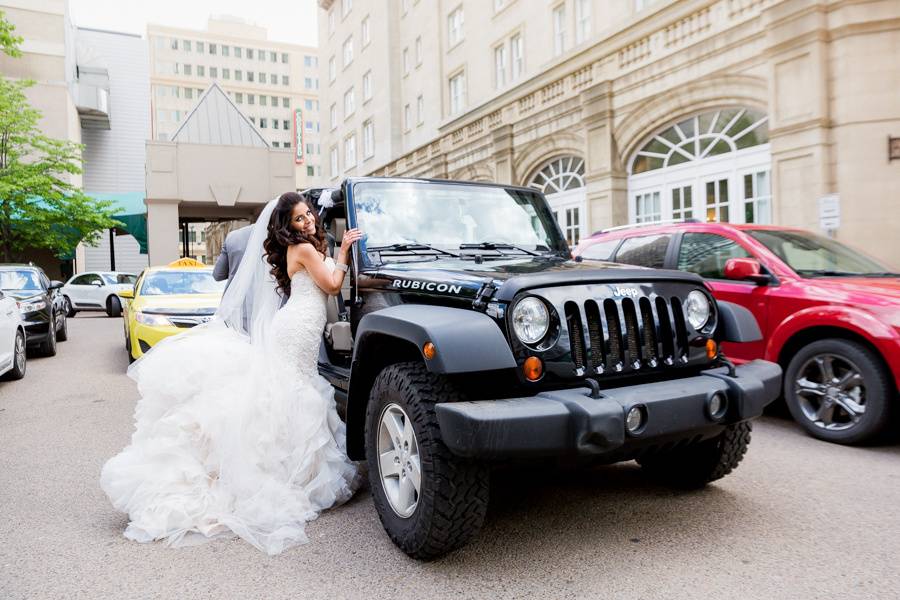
{"x":131,"y":211}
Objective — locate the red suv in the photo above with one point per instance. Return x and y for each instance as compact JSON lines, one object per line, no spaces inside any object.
{"x":829,"y":314}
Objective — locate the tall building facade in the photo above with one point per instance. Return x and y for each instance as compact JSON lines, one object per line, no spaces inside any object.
{"x":627,"y":110}
{"x":274,"y":83}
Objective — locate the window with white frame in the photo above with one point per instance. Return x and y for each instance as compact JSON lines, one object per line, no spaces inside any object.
{"x":367,"y":85}
{"x":335,"y":167}
{"x":682,"y":202}
{"x":332,"y":69}
{"x":717,"y":200}
{"x":418,"y":51}
{"x":349,"y":103}
{"x":366,"y":36}
{"x":559,"y":29}
{"x":368,"y":139}
{"x":757,"y":197}
{"x":348,"y":51}
{"x":517,"y":48}
{"x":350,"y":152}
{"x":406,"y":65}
{"x":407,"y":117}
{"x":332,"y":115}
{"x":420,"y":109}
{"x":582,"y":20}
{"x":457,"y":93}
{"x":647,"y":207}
{"x":455,"y":26}
{"x":500,"y":66}
{"x":331,"y":21}
{"x":346,"y":7}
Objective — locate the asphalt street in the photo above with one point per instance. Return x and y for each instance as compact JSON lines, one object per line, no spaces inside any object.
{"x":798,"y":519}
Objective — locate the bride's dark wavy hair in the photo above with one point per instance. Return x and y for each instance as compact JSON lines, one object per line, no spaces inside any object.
{"x":282,"y":235}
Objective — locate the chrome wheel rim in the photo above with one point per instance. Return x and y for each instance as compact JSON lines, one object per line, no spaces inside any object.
{"x":831,"y":392}
{"x":20,"y":353}
{"x":399,"y":466}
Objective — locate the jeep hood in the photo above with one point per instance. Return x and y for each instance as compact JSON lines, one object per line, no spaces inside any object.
{"x":517,"y":274}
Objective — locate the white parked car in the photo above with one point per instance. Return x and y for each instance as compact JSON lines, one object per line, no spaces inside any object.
{"x":12,"y":339}
{"x":97,"y":291}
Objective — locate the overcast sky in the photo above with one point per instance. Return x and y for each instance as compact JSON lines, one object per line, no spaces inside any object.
{"x":291,"y":21}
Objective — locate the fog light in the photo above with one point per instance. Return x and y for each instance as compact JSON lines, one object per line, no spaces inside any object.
{"x":533,"y":368}
{"x":717,"y":405}
{"x":635,"y":419}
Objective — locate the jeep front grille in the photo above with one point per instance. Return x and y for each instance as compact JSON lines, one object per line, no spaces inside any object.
{"x":654,"y":334}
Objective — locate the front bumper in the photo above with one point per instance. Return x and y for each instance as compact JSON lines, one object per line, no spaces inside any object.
{"x":571,"y":422}
{"x":37,"y":329}
{"x":150,"y":335}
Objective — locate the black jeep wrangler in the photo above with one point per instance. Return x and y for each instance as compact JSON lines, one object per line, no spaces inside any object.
{"x":466,"y":336}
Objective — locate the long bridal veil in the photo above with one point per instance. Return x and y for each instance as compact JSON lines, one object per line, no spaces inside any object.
{"x":229,"y":436}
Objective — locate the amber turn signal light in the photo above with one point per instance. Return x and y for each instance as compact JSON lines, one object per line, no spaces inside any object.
{"x":533,"y":368}
{"x":429,"y":350}
{"x":712,"y":349}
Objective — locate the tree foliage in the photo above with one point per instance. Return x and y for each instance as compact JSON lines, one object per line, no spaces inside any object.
{"x":39,"y":205}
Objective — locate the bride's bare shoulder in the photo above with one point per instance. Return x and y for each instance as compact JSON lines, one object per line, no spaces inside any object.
{"x":304,"y":251}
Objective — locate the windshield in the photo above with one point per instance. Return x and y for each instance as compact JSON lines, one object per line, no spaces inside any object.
{"x":812,"y":255}
{"x":448,"y":215}
{"x":117,"y":278}
{"x":181,"y":282}
{"x":24,"y":280}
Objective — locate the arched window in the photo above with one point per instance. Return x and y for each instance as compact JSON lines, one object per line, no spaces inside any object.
{"x":703,"y":136}
{"x":559,"y":175}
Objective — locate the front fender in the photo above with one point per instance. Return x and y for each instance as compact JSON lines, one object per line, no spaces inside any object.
{"x":864,"y":324}
{"x":466,"y":340}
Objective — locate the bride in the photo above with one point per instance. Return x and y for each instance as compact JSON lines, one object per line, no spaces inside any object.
{"x":235,"y":431}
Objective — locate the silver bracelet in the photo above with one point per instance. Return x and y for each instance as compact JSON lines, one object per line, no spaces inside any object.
{"x":342,"y":267}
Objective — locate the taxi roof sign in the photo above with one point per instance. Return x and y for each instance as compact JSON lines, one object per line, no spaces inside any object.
{"x":186,"y":262}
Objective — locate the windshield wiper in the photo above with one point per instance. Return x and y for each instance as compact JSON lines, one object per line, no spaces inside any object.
{"x":497,"y":246}
{"x":827,"y":273}
{"x":407,"y":247}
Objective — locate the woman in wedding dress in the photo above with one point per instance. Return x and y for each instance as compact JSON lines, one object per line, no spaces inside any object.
{"x":235,"y":431}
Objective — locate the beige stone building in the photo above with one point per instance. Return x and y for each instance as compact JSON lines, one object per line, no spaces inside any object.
{"x":627,"y":110}
{"x":274,"y":83}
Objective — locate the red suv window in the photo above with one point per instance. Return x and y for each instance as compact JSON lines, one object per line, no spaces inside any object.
{"x":644,"y":251}
{"x":706,"y":253}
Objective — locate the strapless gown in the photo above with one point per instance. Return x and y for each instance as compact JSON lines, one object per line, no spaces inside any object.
{"x":234,"y":438}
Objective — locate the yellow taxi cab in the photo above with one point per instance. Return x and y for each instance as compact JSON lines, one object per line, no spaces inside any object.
{"x":167,"y":301}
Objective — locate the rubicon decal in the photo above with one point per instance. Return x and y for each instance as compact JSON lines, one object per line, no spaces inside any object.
{"x":427,"y":286}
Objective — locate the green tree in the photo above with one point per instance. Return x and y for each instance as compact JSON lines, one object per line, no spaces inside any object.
{"x":39,"y":206}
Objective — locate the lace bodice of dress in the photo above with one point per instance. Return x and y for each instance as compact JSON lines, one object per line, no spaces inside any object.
{"x":297,"y":328}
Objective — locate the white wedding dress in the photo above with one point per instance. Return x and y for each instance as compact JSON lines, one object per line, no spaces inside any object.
{"x":234,"y":437}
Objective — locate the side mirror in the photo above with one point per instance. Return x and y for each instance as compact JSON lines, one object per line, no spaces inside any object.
{"x":746,"y":269}
{"x":55,"y":285}
{"x":127,"y":294}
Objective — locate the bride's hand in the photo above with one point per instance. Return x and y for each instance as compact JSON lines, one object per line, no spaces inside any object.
{"x":351,"y":236}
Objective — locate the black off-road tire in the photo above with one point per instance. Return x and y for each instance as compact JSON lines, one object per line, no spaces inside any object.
{"x":453,"y":498}
{"x":63,"y":334}
{"x":695,"y":466}
{"x":113,"y":306}
{"x":881,"y":396}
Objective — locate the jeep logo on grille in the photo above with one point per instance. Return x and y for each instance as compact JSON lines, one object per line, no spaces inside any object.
{"x":624,"y":291}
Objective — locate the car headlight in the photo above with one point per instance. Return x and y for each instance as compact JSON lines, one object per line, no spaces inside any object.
{"x":697,"y":309}
{"x":153,"y":320}
{"x":531,"y":320}
{"x":30,"y":306}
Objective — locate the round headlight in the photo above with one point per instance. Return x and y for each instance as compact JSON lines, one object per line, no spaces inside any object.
{"x":697,"y":309}
{"x":531,"y":320}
